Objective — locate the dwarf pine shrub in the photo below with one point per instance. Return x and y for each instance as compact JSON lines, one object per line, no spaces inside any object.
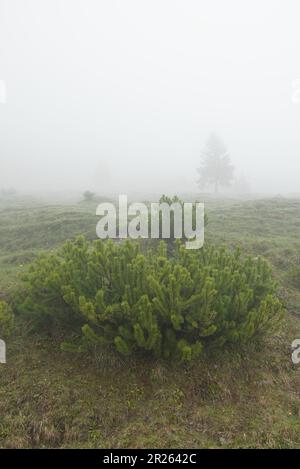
{"x":170,"y":307}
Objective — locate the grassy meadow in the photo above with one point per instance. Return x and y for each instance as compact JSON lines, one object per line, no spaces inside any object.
{"x":51,"y":398}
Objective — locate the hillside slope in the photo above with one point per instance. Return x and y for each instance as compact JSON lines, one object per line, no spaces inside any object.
{"x":50,"y":398}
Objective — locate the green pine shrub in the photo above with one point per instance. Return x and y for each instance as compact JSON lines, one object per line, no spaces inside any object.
{"x":6,"y":320}
{"x":170,"y":307}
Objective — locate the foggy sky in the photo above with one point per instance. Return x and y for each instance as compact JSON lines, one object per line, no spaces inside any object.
{"x":121,"y":95}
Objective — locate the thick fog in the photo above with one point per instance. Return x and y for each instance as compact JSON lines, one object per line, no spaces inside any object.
{"x":120,"y":96}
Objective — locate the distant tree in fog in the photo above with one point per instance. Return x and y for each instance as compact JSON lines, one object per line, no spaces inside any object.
{"x":216,"y":169}
{"x":8,"y":193}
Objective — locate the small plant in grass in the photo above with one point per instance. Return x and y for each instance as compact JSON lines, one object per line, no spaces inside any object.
{"x":88,"y":196}
{"x":171,"y":307}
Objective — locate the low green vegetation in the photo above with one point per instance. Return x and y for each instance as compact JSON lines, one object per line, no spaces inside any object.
{"x":93,"y":396}
{"x":6,"y":320}
{"x":171,"y":307}
{"x":294,"y":275}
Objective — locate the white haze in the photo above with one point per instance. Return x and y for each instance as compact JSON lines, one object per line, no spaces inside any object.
{"x":116,"y":96}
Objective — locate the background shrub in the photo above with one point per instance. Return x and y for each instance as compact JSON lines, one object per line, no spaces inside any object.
{"x":171,"y":307}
